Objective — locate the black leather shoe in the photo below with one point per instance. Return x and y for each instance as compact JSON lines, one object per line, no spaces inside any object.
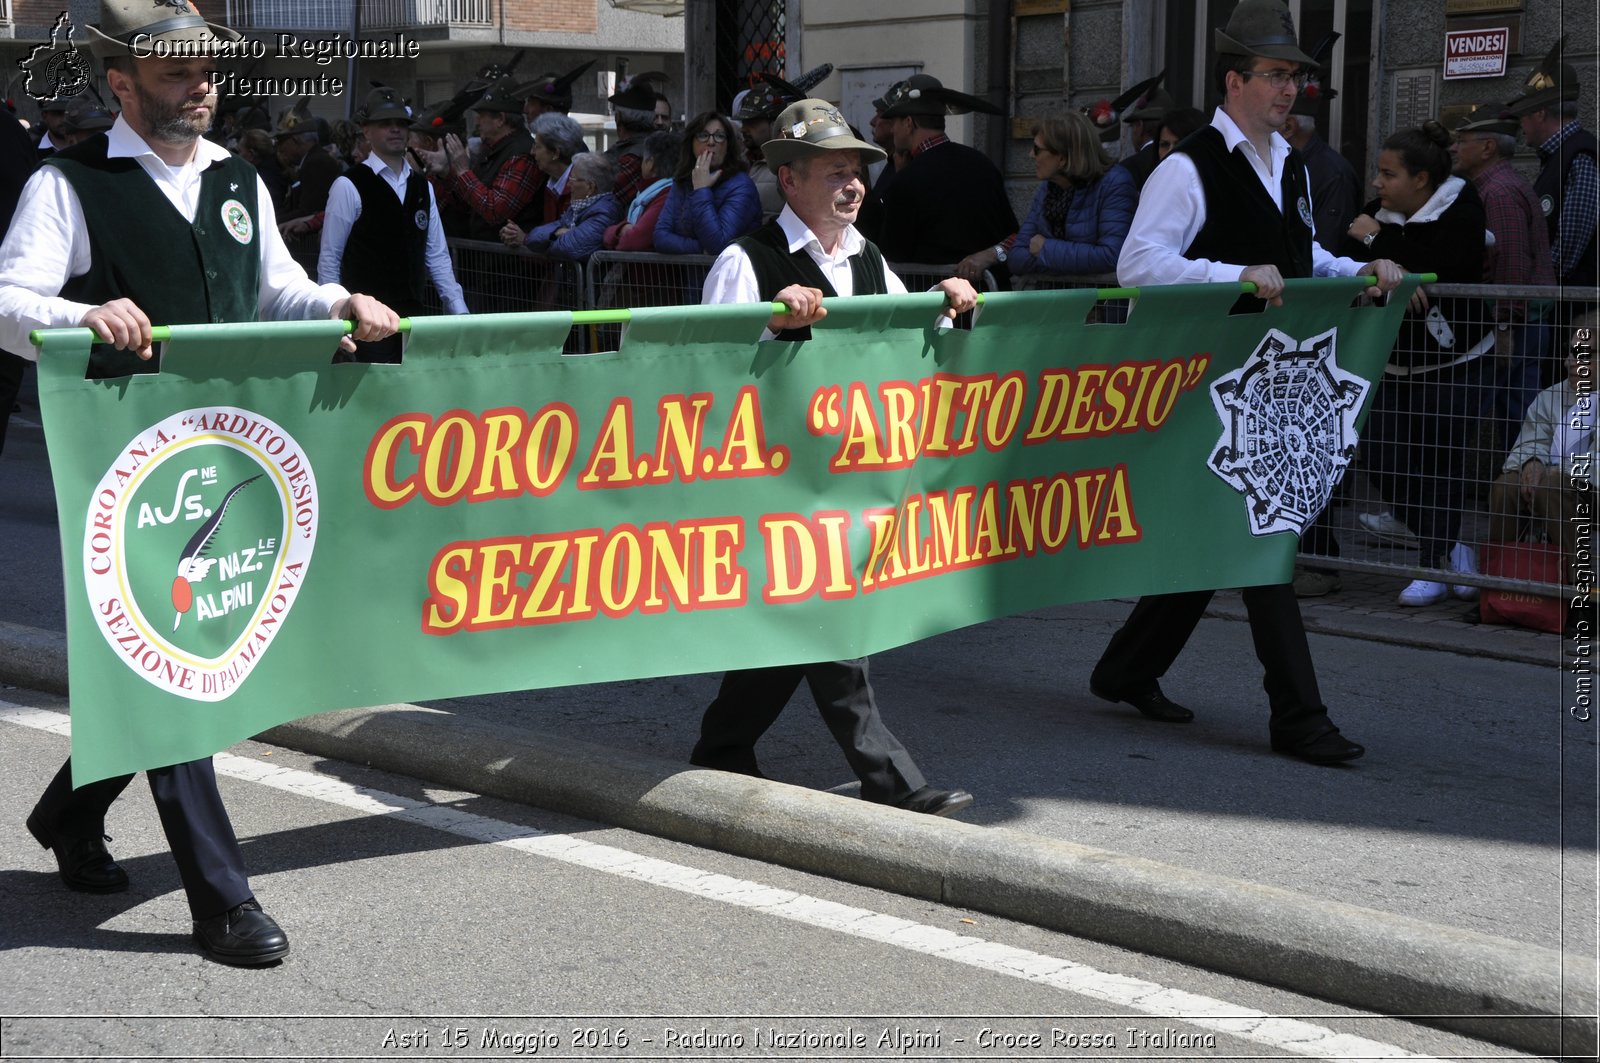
{"x":243,"y":936}
{"x":933,"y":802}
{"x":1329,"y":747}
{"x":738,"y":766}
{"x":1152,"y":704}
{"x":86,"y":865}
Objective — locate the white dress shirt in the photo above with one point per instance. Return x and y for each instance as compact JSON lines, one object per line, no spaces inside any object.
{"x":733,"y":278}
{"x":1172,"y":211}
{"x":47,"y":246}
{"x":344,"y":207}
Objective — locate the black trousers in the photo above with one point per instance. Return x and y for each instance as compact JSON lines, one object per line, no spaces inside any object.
{"x":198,"y":830}
{"x":750,"y":701}
{"x":1140,"y":653}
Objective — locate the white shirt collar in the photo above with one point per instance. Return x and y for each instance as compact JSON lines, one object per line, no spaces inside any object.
{"x":559,"y":185}
{"x":379,"y":167}
{"x":123,"y":143}
{"x":1233,"y":136}
{"x":800,"y":235}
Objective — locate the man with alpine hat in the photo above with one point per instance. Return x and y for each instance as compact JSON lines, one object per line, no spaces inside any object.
{"x":809,"y":253}
{"x":1569,"y":182}
{"x":52,"y":117}
{"x":382,"y":232}
{"x":633,"y":108}
{"x":152,"y":222}
{"x":1231,"y":203}
{"x":1144,"y":125}
{"x":950,"y":200}
{"x":503,"y":181}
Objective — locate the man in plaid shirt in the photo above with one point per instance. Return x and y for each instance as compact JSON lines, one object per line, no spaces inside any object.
{"x":504,"y":180}
{"x":634,"y":109}
{"x":1520,"y":255}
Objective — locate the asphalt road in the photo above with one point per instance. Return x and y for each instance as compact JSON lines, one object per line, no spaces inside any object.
{"x":1473,"y":810}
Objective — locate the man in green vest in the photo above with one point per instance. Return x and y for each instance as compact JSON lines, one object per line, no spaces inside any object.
{"x":153,"y":222}
{"x":811,"y":252}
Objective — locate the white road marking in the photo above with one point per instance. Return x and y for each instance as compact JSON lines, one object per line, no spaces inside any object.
{"x":1135,"y":994}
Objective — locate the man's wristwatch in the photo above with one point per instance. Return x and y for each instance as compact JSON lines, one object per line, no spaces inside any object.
{"x":999,"y":252}
{"x":1366,"y":241}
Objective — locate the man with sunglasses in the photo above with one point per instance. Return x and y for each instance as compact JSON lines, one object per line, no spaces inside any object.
{"x":1232,"y":203}
{"x":382,"y":232}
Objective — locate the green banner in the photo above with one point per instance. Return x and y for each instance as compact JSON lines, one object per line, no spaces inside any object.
{"x":255,"y":534}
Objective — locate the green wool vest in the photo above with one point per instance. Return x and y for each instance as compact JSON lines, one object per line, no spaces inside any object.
{"x":776,"y":268}
{"x":142,"y":249}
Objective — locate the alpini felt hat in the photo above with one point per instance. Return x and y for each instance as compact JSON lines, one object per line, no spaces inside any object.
{"x":500,"y":97}
{"x":382,"y":104}
{"x":145,"y":28}
{"x":1487,"y":120}
{"x":1552,"y":82}
{"x":926,"y":94}
{"x":1264,"y":28}
{"x":811,"y":127}
{"x":552,"y":90}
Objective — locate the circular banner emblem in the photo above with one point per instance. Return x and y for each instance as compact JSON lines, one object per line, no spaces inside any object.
{"x":1547,"y":203}
{"x":422,"y":219}
{"x":1304,"y":206}
{"x":197,"y":544}
{"x":237,"y":221}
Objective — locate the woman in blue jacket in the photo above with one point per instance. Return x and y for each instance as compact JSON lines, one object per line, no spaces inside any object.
{"x":713,"y":201}
{"x":1081,"y":213}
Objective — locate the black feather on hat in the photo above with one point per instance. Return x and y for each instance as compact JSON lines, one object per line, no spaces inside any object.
{"x":1106,"y":115}
{"x":1317,"y":92}
{"x":766,"y":100}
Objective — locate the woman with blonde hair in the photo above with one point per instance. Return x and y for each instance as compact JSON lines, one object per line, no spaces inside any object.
{"x":1081,"y":213}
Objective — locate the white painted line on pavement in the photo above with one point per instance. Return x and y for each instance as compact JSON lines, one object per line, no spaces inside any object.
{"x":1287,"y":1035}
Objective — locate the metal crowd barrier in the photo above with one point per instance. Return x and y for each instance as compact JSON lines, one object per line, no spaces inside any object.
{"x":1420,"y":502}
{"x":1434,"y":444}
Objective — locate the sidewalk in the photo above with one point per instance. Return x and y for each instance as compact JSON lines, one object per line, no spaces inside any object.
{"x":1476,"y":983}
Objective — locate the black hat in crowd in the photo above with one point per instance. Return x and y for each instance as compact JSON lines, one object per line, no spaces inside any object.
{"x":89,"y":116}
{"x":1552,"y":82}
{"x":638,"y":93}
{"x":1317,"y":91}
{"x":764,"y":101}
{"x":1105,"y":116}
{"x":383,"y":103}
{"x":60,"y":103}
{"x":925,"y":94}
{"x":299,"y":119}
{"x":552,"y":90}
{"x":501,"y":97}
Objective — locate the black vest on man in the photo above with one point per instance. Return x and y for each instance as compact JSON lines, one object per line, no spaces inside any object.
{"x":385,"y":256}
{"x":1551,"y":186}
{"x":141,"y":248}
{"x":1242,"y":223}
{"x":776,"y":267}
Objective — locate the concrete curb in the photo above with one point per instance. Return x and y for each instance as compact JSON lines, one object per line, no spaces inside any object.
{"x":1520,"y":995}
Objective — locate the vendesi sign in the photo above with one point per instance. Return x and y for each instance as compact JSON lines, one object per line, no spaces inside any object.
{"x":255,"y":534}
{"x":1476,"y":53}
